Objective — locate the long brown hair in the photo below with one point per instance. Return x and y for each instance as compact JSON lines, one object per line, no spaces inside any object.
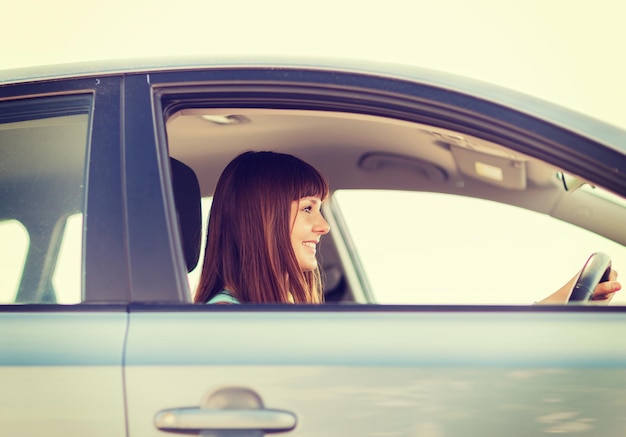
{"x":248,"y":237}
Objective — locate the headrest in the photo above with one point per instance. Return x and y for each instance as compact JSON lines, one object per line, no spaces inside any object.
{"x":187,"y":200}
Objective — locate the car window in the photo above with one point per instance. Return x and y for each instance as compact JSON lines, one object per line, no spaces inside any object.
{"x":12,"y":258}
{"x":43,"y":146}
{"x":433,"y":248}
{"x":66,"y":277}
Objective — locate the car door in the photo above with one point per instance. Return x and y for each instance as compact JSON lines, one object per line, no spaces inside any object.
{"x":374,"y":371}
{"x":337,"y":370}
{"x":63,"y":323}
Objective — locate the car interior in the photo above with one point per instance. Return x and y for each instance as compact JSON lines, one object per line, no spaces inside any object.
{"x":367,"y":152}
{"x":356,"y":152}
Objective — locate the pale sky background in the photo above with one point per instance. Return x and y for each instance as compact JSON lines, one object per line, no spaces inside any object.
{"x":567,"y":51}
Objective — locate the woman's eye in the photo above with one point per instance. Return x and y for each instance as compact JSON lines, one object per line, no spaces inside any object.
{"x":307,"y":209}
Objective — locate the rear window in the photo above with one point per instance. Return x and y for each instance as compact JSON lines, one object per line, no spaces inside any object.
{"x":43,"y":145}
{"x":12,"y":258}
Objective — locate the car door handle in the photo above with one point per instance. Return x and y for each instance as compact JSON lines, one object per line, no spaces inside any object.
{"x":225,"y":411}
{"x":186,"y":420}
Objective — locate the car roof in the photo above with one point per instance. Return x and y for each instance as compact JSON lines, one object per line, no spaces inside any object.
{"x":609,"y":135}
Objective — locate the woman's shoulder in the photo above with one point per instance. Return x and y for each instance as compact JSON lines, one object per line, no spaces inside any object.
{"x":223,"y":297}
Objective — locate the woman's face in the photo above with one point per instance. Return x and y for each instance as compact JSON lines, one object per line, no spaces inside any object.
{"x":307,"y":229}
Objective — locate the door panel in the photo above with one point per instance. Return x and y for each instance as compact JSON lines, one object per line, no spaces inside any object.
{"x":387,"y":372}
{"x":61,"y":373}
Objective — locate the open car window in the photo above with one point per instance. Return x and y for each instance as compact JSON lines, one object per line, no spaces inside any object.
{"x":419,"y":214}
{"x":435,"y":248}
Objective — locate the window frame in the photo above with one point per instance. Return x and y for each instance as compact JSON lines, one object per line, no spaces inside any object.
{"x":103,"y":273}
{"x":418,"y":101}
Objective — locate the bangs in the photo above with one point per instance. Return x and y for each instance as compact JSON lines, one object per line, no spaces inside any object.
{"x":271,"y":176}
{"x":311,"y":184}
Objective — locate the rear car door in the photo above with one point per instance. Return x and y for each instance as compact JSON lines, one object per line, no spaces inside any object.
{"x":62,"y":289}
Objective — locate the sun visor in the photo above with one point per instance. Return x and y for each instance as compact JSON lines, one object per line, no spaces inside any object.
{"x":491,"y":166}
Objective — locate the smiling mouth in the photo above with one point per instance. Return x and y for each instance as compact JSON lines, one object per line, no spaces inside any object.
{"x":309,"y":244}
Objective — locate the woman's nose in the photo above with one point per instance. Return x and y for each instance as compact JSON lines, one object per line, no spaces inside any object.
{"x":322,"y":226}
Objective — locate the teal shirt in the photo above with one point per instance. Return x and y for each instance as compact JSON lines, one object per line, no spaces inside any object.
{"x":223,"y":296}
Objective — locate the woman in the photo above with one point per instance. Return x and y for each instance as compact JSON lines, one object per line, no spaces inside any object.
{"x":264,"y":227}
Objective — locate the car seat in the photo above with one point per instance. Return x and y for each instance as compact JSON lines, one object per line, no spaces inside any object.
{"x":188,"y":208}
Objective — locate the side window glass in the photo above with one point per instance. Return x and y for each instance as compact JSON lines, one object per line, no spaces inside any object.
{"x":66,"y":277}
{"x":43,"y":149}
{"x":433,"y":248}
{"x":12,"y":258}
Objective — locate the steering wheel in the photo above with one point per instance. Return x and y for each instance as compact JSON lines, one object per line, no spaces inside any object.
{"x":597,"y":269}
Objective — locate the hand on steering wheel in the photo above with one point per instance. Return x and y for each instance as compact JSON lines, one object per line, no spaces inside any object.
{"x":597,"y":269}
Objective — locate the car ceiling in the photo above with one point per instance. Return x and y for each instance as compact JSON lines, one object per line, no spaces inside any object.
{"x":404,"y":155}
{"x":369,"y":152}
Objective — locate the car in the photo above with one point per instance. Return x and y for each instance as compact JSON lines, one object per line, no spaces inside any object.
{"x":454,"y":206}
